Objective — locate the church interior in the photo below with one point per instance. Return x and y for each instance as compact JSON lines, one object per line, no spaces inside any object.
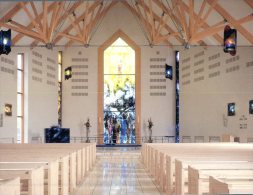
{"x":145,"y":97}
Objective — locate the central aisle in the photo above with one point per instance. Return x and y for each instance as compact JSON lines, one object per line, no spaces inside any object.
{"x":118,"y":171}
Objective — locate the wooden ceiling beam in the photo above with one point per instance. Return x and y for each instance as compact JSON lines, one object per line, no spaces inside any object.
{"x":217,"y":37}
{"x":10,"y":14}
{"x":61,"y":18}
{"x":210,"y":9}
{"x":205,"y":33}
{"x":233,"y":22}
{"x":166,"y":26}
{"x":140,"y":17}
{"x":97,"y":18}
{"x":80,"y":18}
{"x":35,"y":13}
{"x":30,"y":25}
{"x":249,"y":2}
{"x":45,"y":23}
{"x":23,"y":30}
{"x":72,"y":37}
{"x":36,"y":25}
{"x":191,"y":18}
{"x":246,"y":19}
{"x":55,"y":19}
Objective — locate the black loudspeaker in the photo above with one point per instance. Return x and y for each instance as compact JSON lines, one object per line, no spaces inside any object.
{"x":68,"y":73}
{"x":231,"y":109}
{"x":168,"y":72}
{"x":251,"y":106}
{"x":230,"y":40}
{"x":5,"y":42}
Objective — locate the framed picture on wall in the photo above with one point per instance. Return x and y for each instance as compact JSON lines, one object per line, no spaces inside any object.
{"x":251,"y":106}
{"x":8,"y":109}
{"x":231,"y":109}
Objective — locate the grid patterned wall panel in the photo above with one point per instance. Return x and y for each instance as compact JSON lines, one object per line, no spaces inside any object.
{"x":80,"y":79}
{"x":157,"y":81}
{"x":37,"y":67}
{"x":7,"y":66}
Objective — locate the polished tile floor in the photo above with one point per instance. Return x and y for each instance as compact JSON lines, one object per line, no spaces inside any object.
{"x":118,"y":171}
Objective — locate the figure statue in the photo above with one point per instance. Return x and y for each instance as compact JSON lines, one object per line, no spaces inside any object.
{"x":87,"y":125}
{"x":150,"y":125}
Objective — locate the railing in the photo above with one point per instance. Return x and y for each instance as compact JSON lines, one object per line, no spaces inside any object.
{"x":7,"y":140}
{"x":144,"y":139}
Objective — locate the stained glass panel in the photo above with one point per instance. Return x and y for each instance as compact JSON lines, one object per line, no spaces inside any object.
{"x":119,"y":93}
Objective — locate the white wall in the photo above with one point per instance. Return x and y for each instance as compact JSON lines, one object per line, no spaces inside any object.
{"x":8,"y":95}
{"x":42,"y":91}
{"x":40,"y":97}
{"x":203,"y":103}
{"x":77,"y":108}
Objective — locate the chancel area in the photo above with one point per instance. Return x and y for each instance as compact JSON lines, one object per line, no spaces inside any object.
{"x":126,"y":97}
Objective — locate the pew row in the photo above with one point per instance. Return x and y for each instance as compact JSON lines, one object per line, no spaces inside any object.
{"x":230,"y":186}
{"x":181,"y":172}
{"x":10,"y":186}
{"x":159,"y":159}
{"x":66,"y":167}
{"x":199,"y":178}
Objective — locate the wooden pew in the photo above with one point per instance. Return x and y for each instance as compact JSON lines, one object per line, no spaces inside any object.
{"x":10,"y":186}
{"x":199,"y":178}
{"x":158,"y":156}
{"x":74,"y":159}
{"x":181,"y":166}
{"x":230,"y":186}
{"x":51,"y":171}
{"x":31,"y":179}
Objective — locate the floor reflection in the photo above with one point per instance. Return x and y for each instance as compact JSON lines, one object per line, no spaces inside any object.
{"x":118,"y":171}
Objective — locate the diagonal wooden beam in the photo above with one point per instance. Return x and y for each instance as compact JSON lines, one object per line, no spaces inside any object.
{"x":233,"y":21}
{"x":217,"y":37}
{"x":249,"y":2}
{"x":36,"y":25}
{"x":45,"y":23}
{"x":55,"y":18}
{"x":96,"y":19}
{"x":210,"y":9}
{"x":139,"y":16}
{"x":35,"y":12}
{"x":207,"y":32}
{"x":72,"y":37}
{"x":60,"y":20}
{"x":167,"y":27}
{"x":191,"y":18}
{"x":30,"y":25}
{"x":10,"y":14}
{"x":80,"y":18}
{"x":22,"y":30}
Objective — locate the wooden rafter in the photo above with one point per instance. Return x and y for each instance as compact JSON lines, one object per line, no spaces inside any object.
{"x":210,"y":9}
{"x":59,"y":18}
{"x":233,"y":22}
{"x":8,"y":16}
{"x":166,"y":26}
{"x":92,"y":23}
{"x":191,"y":18}
{"x":203,"y":5}
{"x":80,"y":18}
{"x":30,"y":25}
{"x":45,"y":23}
{"x":35,"y":13}
{"x":147,"y":24}
{"x":36,"y":25}
{"x":205,"y":25}
{"x":22,"y":30}
{"x":249,"y":2}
